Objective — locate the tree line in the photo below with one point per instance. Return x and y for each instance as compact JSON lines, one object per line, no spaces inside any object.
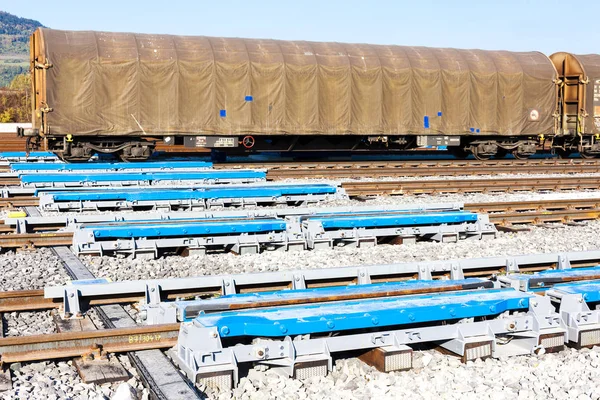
{"x":15,"y":100}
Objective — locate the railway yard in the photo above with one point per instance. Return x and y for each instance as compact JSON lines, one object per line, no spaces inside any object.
{"x":299,"y":280}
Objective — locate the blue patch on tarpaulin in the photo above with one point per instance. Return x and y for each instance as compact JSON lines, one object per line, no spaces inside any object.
{"x":426,"y":122}
{"x":222,"y":113}
{"x":249,"y":98}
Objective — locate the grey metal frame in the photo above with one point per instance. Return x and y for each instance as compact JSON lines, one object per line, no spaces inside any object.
{"x":299,"y":279}
{"x":296,"y":237}
{"x":26,"y":224}
{"x":199,"y":350}
{"x":47,"y":203}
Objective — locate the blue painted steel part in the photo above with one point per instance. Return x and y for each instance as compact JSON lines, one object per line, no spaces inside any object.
{"x":544,"y":280}
{"x":191,"y":308}
{"x":144,"y":176}
{"x":174,"y":228}
{"x":24,"y":167}
{"x":590,"y":291}
{"x":22,"y":154}
{"x":400,"y":219}
{"x":573,"y":272}
{"x":361,"y":314}
{"x":137,"y":194}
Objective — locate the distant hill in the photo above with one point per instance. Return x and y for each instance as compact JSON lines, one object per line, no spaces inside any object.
{"x":14,"y":45}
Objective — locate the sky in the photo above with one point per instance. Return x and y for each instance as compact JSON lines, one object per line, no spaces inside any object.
{"x":516,"y":25}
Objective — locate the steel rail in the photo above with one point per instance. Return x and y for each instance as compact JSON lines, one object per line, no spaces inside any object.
{"x":383,"y":172}
{"x":373,"y":188}
{"x":34,"y":240}
{"x":12,"y":181}
{"x":331,"y":165}
{"x":501,"y":213}
{"x":529,"y":205}
{"x":26,"y":300}
{"x":73,"y":344}
{"x":16,"y":202}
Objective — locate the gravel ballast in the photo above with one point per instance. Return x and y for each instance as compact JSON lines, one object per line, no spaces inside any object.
{"x":570,"y":374}
{"x":48,"y":380}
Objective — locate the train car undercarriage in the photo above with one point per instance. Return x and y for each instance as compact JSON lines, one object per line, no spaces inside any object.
{"x":81,"y":149}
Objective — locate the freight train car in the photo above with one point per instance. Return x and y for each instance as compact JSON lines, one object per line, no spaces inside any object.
{"x":122,"y":92}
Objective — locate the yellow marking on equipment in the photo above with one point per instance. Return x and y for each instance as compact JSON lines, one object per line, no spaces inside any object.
{"x":145,"y":338}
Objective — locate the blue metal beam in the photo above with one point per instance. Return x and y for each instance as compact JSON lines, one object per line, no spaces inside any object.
{"x":22,"y":154}
{"x":364,"y":314}
{"x":144,"y":176}
{"x":189,"y":309}
{"x":137,"y":194}
{"x":590,"y":291}
{"x":397,"y":219}
{"x":544,"y":280}
{"x":27,"y":167}
{"x":175,"y":228}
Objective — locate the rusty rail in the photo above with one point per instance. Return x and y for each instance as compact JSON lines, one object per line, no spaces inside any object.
{"x":17,"y":202}
{"x":387,"y":172}
{"x":25,"y":300}
{"x":288,"y":165}
{"x":34,"y":240}
{"x":470,"y":186}
{"x":73,"y":344}
{"x":379,"y":169}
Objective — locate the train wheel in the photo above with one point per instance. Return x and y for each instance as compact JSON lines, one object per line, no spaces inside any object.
{"x":480,"y":156}
{"x":520,"y":156}
{"x":136,"y":153}
{"x":72,"y":159}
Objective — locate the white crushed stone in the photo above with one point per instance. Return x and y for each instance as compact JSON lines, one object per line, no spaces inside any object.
{"x":570,"y":374}
{"x":48,"y":380}
{"x":24,"y":270}
{"x":59,"y":380}
{"x":28,"y":323}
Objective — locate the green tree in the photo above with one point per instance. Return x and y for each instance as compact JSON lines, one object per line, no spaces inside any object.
{"x":21,"y":82}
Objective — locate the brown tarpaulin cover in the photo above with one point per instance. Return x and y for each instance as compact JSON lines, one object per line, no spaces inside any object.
{"x":591,"y":66}
{"x":124,"y":83}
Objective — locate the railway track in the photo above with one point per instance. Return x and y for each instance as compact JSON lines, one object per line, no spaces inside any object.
{"x":158,"y":374}
{"x":383,"y":169}
{"x":120,"y":337}
{"x":505,"y":215}
{"x":386,"y":169}
{"x":389,"y":188}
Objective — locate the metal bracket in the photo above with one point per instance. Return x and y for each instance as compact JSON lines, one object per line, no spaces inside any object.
{"x":46,"y":65}
{"x":363,"y":278}
{"x":298,"y":282}
{"x":228,"y":285}
{"x":563,"y":262}
{"x":456,"y":271}
{"x":425,"y":272}
{"x":512,"y":266}
{"x":71,"y":305}
{"x":152,"y":293}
